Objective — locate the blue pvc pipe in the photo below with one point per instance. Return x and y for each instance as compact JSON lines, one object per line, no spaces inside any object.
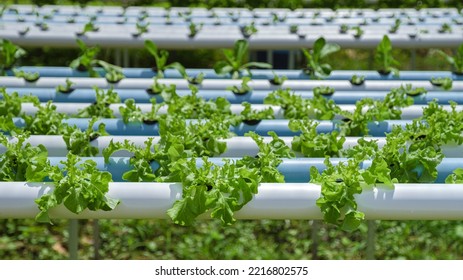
{"x":254,"y":97}
{"x":118,"y":127}
{"x":295,"y":170}
{"x":265,"y":74}
{"x":117,"y":166}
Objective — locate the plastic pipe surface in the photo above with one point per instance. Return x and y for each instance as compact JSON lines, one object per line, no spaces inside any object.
{"x":274,"y":201}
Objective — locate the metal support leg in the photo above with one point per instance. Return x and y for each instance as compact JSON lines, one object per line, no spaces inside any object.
{"x":270,"y":57}
{"x":126,"y":58}
{"x":371,"y":59}
{"x":73,"y":242}
{"x":413,"y":59}
{"x":315,"y":239}
{"x":292,"y":60}
{"x":96,"y":239}
{"x":117,"y":57}
{"x":371,"y":239}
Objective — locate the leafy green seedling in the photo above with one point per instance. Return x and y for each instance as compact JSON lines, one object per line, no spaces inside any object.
{"x":28,"y":76}
{"x":343,"y":29}
{"x":358,"y":31}
{"x":141,"y":29}
{"x":234,"y":62}
{"x":156,"y":87}
{"x":67,"y":88}
{"x":293,"y":28}
{"x":160,"y":58}
{"x":315,"y":68}
{"x":24,"y":31}
{"x":88,"y":27}
{"x":253,"y":117}
{"x":357,"y":80}
{"x":248,"y":30}
{"x":194,"y":29}
{"x":78,"y":142}
{"x":277,"y":80}
{"x":324,"y":90}
{"x":395,"y":27}
{"x":445,"y":83}
{"x":100,"y":108}
{"x":313,"y":144}
{"x":445,"y":28}
{"x":21,"y":161}
{"x":46,"y":121}
{"x":410,"y":91}
{"x":456,"y":177}
{"x":9,"y":54}
{"x":384,"y":59}
{"x":44,"y":27}
{"x":113,"y":73}
{"x":243,"y":89}
{"x":11,"y":104}
{"x":77,"y":186}
{"x":86,"y":59}
{"x":456,"y":61}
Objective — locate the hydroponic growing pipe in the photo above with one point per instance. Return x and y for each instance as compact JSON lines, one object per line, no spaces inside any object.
{"x":295,"y":170}
{"x":118,"y":127}
{"x":236,"y":146}
{"x":58,"y":38}
{"x":408,"y":113}
{"x":222,"y":84}
{"x":255,"y":96}
{"x":257,"y":74}
{"x":274,"y":201}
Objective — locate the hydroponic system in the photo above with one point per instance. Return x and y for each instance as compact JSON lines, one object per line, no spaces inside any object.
{"x":241,"y":140}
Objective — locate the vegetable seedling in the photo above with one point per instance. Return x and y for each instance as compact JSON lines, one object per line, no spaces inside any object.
{"x":28,"y":76}
{"x":156,"y":87}
{"x":160,"y":58}
{"x":88,"y":27}
{"x":293,"y":28}
{"x":357,"y":80}
{"x":234,"y":62}
{"x":456,"y":61}
{"x":194,"y":29}
{"x":323,"y":90}
{"x":384,"y":59}
{"x":445,"y":83}
{"x":321,"y":49}
{"x":67,"y":88}
{"x":248,"y":30}
{"x":358,"y":31}
{"x":413,"y":91}
{"x":141,"y":28}
{"x":24,"y":31}
{"x":253,"y":117}
{"x":395,"y":27}
{"x":245,"y":88}
{"x":277,"y":80}
{"x":445,"y":28}
{"x":343,"y":29}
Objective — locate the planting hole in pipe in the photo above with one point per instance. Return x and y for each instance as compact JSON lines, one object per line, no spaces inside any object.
{"x":252,"y":122}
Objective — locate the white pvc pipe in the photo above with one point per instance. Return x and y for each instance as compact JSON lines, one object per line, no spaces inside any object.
{"x":238,"y":146}
{"x":74,"y":108}
{"x":274,"y":201}
{"x":408,"y":113}
{"x":222,"y":84}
